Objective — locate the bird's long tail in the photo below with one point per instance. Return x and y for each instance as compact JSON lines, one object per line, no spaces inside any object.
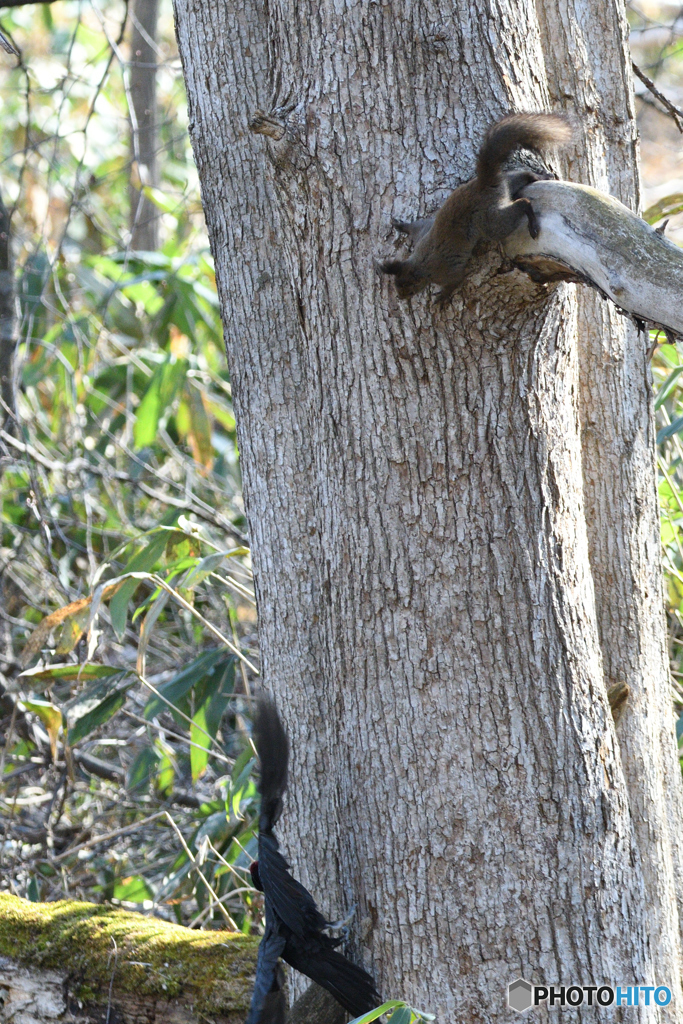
{"x":350,"y":985}
{"x":272,"y":748}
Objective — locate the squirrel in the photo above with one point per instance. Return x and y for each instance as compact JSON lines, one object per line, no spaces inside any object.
{"x":484,"y":208}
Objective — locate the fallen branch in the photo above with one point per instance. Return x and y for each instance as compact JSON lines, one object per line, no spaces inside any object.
{"x":591,"y":237}
{"x":56,"y":964}
{"x":55,"y":958}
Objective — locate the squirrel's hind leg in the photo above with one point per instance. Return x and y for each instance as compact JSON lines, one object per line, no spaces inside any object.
{"x":503,"y":221}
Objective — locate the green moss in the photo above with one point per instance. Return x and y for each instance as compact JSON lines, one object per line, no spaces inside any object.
{"x":214,"y":969}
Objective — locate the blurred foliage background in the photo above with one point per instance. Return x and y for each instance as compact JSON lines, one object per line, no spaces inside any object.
{"x":125,"y":759}
{"x":657,"y":49}
{"x":128,"y":649}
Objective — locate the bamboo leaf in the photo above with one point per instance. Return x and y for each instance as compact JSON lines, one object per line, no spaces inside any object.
{"x":100,"y":714}
{"x":177,"y":688}
{"x":670,"y":430}
{"x":157,"y":399}
{"x":143,"y":561}
{"x":667,"y":387}
{"x":374,"y":1014}
{"x":50,"y":716}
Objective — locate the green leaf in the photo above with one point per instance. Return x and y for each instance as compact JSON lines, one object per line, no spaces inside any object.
{"x":33,"y":892}
{"x":94,"y":692}
{"x":374,"y":1014}
{"x":134,"y":889}
{"x":401,"y":1016}
{"x":162,"y":389}
{"x":142,"y":770}
{"x":68,"y":673}
{"x":216,"y":827}
{"x":50,"y":716}
{"x":199,"y":427}
{"x":161,"y":201}
{"x":199,"y":751}
{"x":143,"y":561}
{"x":241,"y":799}
{"x":180,"y":685}
{"x":243,"y":767}
{"x":165,"y":773}
{"x":208,"y":718}
{"x":670,"y":430}
{"x":37,"y":679}
{"x":181,"y":545}
{"x":100,"y":714}
{"x":667,"y":387}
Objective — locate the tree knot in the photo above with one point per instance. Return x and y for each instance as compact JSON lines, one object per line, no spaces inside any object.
{"x":266,"y":124}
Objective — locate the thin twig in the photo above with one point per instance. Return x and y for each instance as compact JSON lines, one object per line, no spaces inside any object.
{"x":177,"y":711}
{"x":205,"y":622}
{"x":111,"y":980}
{"x":199,"y":871}
{"x":108,"y":835}
{"x":675,"y":112}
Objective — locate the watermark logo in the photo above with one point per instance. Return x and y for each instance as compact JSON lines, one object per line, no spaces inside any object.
{"x":522,"y":995}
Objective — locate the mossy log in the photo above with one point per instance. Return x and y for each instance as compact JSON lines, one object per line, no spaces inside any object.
{"x":62,"y":960}
{"x":86,"y":964}
{"x":588,"y":236}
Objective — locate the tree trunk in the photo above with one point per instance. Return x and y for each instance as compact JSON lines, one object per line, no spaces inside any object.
{"x":8,"y":322}
{"x":144,"y":215}
{"x":452,"y":513}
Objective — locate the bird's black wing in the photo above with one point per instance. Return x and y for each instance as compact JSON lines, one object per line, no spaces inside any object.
{"x":290,"y":900}
{"x":270,"y":740}
{"x":268,"y":999}
{"x":350,"y":985}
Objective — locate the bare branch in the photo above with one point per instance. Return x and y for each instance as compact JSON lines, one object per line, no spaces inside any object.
{"x":589,"y":236}
{"x":675,"y":112}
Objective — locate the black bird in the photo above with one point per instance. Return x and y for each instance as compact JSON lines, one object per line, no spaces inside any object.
{"x":295,"y":928}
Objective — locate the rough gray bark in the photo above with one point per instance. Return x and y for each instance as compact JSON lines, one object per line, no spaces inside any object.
{"x":144,"y":215}
{"x":617,"y":434}
{"x":316,"y":1006}
{"x":438,"y":544}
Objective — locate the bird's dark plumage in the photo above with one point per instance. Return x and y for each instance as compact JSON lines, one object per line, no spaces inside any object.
{"x":294,"y":925}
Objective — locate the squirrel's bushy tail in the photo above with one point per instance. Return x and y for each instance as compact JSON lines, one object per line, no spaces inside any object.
{"x":537,"y":131}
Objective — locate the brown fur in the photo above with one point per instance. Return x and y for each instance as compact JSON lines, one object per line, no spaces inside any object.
{"x":483,"y":208}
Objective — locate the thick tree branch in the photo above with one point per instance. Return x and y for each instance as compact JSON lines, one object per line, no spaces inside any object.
{"x":58,"y":956}
{"x":164,"y":972}
{"x":592,"y":237}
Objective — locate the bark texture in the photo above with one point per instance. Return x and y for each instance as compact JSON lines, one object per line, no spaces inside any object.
{"x":8,"y":322}
{"x":617,"y":436}
{"x":434,"y":606}
{"x":144,"y":215}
